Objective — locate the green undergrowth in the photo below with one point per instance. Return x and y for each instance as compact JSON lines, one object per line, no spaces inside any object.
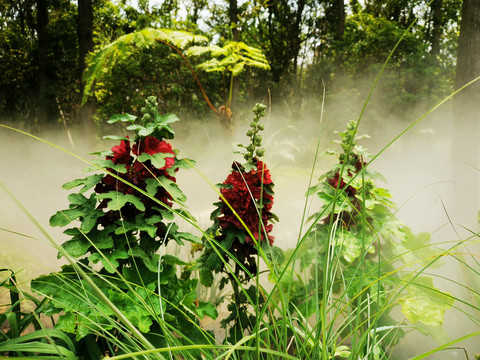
{"x":357,"y":280}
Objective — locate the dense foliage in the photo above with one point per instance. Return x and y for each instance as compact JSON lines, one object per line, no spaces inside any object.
{"x":307,"y":44}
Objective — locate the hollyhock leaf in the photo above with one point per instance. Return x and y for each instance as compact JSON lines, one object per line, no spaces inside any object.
{"x":206,"y":277}
{"x":122,"y":117}
{"x":168,"y":273}
{"x":150,"y":262}
{"x":228,"y":241}
{"x":425,"y":303}
{"x":89,"y":221}
{"x":141,"y":224}
{"x":102,"y":239}
{"x":166,"y":119}
{"x":351,"y":247}
{"x":140,"y":275}
{"x":178,"y":236}
{"x":118,"y":200}
{"x":182,"y":164}
{"x":102,"y":154}
{"x":65,"y":217}
{"x":77,"y":199}
{"x":274,"y":254}
{"x":106,"y":164}
{"x":87,"y":183}
{"x":169,"y":185}
{"x":147,"y":130}
{"x":86,"y":212}
{"x":206,"y":309}
{"x":213,"y":262}
{"x":166,"y":215}
{"x":233,"y":233}
{"x":116,"y":137}
{"x":135,"y":127}
{"x":76,"y":247}
{"x":172,"y":260}
{"x":157,"y":160}
{"x":109,"y":260}
{"x":152,"y":185}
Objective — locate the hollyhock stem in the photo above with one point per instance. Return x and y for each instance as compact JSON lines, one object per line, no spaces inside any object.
{"x":235,"y":280}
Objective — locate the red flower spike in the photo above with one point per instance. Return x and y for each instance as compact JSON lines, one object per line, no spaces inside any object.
{"x":243,"y":193}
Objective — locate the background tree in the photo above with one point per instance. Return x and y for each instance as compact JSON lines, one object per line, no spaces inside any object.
{"x":308,"y":43}
{"x":85,"y":45}
{"x":42,"y":62}
{"x":467,"y":105}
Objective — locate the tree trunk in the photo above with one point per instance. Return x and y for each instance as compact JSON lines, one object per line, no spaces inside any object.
{"x":233,"y":18}
{"x":42,"y":85}
{"x":466,"y":126}
{"x":85,"y":45}
{"x":437,"y":26}
{"x":340,"y":20}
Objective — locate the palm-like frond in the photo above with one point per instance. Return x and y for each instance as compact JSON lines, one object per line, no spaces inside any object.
{"x":234,"y":56}
{"x":102,"y":62}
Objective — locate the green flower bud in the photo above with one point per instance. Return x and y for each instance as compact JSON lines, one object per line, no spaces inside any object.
{"x":250,"y":147}
{"x":143,"y":110}
{"x":261,"y":127}
{"x":257,"y":138}
{"x":260,"y":152}
{"x":250,"y":133}
{"x":147,"y":117}
{"x":253,"y":124}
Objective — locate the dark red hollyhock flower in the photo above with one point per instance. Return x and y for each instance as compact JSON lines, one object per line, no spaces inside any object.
{"x":137,"y":173}
{"x":151,"y":145}
{"x":121,"y":153}
{"x":243,"y":193}
{"x":349,"y":190}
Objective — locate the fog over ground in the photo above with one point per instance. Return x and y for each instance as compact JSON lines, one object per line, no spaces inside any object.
{"x":418,"y":169}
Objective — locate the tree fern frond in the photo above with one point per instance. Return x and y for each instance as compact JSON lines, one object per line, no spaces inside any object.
{"x":234,"y":57}
{"x":103,"y":61}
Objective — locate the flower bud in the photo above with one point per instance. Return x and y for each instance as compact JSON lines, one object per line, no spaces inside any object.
{"x":250,"y":147}
{"x":143,"y":110}
{"x":261,"y":127}
{"x":258,"y":138}
{"x":250,"y":133}
{"x":260,"y":152}
{"x":253,"y":124}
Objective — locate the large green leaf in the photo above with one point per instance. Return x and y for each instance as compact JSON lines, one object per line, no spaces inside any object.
{"x":142,"y":224}
{"x":118,"y":200}
{"x":87,"y":183}
{"x":169,"y":185}
{"x":109,"y":260}
{"x":82,"y":209}
{"x":425,"y":303}
{"x":157,"y":159}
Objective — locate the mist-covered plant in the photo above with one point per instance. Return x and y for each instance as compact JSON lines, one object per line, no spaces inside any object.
{"x":242,"y":223}
{"x":358,"y":260}
{"x":120,"y":222}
